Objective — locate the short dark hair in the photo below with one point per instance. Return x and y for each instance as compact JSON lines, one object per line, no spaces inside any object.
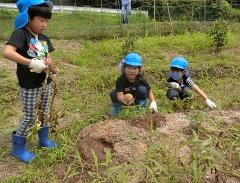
{"x":41,"y":10}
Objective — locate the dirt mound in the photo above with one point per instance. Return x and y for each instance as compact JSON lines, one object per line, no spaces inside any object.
{"x":128,"y":140}
{"x":121,"y":138}
{"x":229,"y":117}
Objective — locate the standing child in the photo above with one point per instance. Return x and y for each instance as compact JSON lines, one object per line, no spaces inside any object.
{"x":125,"y":11}
{"x":30,"y":49}
{"x":132,"y":82}
{"x":179,"y":82}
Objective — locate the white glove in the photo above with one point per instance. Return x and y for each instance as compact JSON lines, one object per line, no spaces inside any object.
{"x":173,"y":85}
{"x":210,"y":104}
{"x":37,"y":65}
{"x":153,"y":106}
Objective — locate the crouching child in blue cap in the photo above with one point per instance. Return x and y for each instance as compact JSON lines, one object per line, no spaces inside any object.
{"x":132,"y":82}
{"x":30,"y":49}
{"x":179,"y":82}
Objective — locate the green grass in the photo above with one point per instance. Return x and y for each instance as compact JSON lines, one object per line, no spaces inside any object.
{"x":84,"y":85}
{"x":74,"y":25}
{"x":92,"y":25}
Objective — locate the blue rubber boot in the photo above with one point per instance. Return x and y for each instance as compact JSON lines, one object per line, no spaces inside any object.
{"x":43,"y":138}
{"x":116,"y":108}
{"x":142,"y":103}
{"x":19,"y":150}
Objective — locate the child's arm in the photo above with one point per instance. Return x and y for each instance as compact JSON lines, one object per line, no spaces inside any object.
{"x":120,"y":97}
{"x":153,"y":105}
{"x":36,"y":65}
{"x":201,"y":93}
{"x":151,"y":96}
{"x":10,"y":53}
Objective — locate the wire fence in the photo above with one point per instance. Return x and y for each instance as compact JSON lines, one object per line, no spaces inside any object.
{"x":75,"y":22}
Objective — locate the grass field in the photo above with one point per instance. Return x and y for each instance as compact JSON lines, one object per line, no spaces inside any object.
{"x":91,"y":25}
{"x":87,"y":73}
{"x":74,"y":25}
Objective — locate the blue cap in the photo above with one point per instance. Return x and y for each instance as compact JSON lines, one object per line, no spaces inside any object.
{"x":133,"y":59}
{"x":179,"y":62}
{"x":22,"y":18}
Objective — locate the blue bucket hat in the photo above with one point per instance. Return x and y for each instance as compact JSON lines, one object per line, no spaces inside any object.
{"x":22,"y":18}
{"x":133,"y":59}
{"x":179,"y":62}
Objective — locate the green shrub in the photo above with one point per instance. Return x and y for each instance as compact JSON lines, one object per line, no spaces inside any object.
{"x":191,"y":10}
{"x":219,"y":8}
{"x":219,"y":33}
{"x":236,"y":15}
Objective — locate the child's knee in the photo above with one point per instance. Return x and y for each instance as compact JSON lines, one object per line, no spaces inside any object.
{"x":141,"y":92}
{"x":113,"y":96}
{"x":172,"y":94}
{"x":186,"y":93}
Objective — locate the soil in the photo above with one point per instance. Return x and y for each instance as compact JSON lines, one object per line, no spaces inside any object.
{"x":8,"y":65}
{"x":128,"y":140}
{"x":8,"y":165}
{"x":71,"y":46}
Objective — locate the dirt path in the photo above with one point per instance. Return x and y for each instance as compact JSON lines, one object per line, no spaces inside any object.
{"x":6,"y":64}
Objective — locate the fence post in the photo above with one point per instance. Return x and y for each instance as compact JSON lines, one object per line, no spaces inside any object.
{"x":169,"y":14}
{"x":154,"y":10}
{"x":61,"y":6}
{"x":102,"y":19}
{"x":205,"y":11}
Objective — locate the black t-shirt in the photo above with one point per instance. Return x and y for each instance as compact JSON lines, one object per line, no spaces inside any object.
{"x":125,"y":86}
{"x":30,"y":47}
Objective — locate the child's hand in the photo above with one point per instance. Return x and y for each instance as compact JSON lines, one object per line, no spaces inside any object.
{"x":128,"y":99}
{"x":153,"y":106}
{"x":173,"y":85}
{"x":52,"y":68}
{"x":37,"y":65}
{"x":210,"y":104}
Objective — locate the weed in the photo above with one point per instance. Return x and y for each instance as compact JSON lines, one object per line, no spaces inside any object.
{"x":129,"y":44}
{"x":219,"y":32}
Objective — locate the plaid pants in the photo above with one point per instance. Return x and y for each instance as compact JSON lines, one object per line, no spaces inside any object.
{"x":29,"y":99}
